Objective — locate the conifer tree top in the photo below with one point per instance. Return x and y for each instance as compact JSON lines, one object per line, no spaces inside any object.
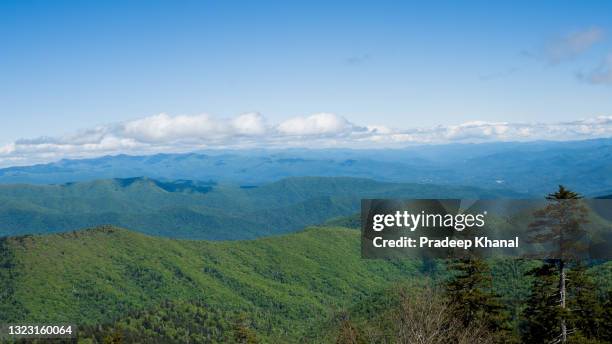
{"x":563,"y":193}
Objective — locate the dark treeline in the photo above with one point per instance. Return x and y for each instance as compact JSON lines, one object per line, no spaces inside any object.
{"x":564,"y":304}
{"x":466,"y":309}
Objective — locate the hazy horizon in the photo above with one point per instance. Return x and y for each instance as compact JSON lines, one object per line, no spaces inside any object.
{"x":83,"y":79}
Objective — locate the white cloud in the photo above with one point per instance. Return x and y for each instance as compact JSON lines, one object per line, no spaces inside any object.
{"x":165,"y":128}
{"x":250,"y":124}
{"x":317,"y":124}
{"x":477,"y":129}
{"x":379,"y":129}
{"x":166,"y":133}
{"x":7,"y":149}
{"x":573,"y":44}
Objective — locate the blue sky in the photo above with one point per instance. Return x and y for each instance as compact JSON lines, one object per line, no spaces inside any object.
{"x":69,"y":66}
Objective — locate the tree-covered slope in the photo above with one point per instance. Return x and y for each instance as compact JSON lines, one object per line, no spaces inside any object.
{"x":281,"y":288}
{"x":97,"y":275}
{"x":202,"y":210}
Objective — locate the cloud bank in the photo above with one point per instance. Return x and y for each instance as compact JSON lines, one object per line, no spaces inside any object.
{"x":166,"y":133}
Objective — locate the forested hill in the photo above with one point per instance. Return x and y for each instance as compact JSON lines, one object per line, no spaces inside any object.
{"x":95,"y":276}
{"x":279,"y":289}
{"x":203,"y":210}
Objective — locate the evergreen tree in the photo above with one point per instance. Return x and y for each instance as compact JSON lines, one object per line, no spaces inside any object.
{"x":471,"y":293}
{"x":560,"y":224}
{"x":606,"y":319}
{"x":543,"y":313}
{"x":586,"y":311}
{"x":586,"y":316}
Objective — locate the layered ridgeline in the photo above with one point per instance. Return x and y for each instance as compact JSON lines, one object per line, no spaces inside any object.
{"x":203,"y":210}
{"x":529,"y":167}
{"x":285,"y":285}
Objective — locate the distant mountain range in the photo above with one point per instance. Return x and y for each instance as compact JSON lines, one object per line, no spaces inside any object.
{"x":203,"y":210}
{"x":533,"y":168}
